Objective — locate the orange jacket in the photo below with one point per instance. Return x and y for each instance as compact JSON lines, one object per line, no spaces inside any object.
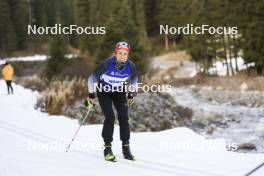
{"x":8,"y":72}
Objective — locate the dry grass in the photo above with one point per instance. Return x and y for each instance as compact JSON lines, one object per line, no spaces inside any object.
{"x":33,"y":82}
{"x":62,"y":93}
{"x":254,"y":83}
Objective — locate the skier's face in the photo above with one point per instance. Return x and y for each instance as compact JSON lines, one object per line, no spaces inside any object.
{"x":121,"y":55}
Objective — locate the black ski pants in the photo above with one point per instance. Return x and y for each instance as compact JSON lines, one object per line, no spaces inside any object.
{"x":119,"y":100}
{"x":9,"y":86}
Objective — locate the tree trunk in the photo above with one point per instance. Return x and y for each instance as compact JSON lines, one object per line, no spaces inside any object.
{"x":205,"y":61}
{"x":166,"y":42}
{"x":174,"y":44}
{"x":227,"y":67}
{"x":215,"y":58}
{"x":235,"y":52}
{"x":230,"y":54}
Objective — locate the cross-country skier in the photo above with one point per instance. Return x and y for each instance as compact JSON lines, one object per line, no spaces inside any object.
{"x":112,"y":75}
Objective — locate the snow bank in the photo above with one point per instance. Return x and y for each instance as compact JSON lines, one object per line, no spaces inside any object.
{"x":32,"y":58}
{"x":26,"y":58}
{"x":220,"y":66}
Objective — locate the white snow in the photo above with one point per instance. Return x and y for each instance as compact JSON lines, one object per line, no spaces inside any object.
{"x":259,"y":127}
{"x":32,"y":144}
{"x":25,"y":58}
{"x":251,"y":119}
{"x":32,"y":58}
{"x":220,"y":66}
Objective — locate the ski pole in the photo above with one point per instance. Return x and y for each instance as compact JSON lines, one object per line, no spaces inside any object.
{"x":78,"y":129}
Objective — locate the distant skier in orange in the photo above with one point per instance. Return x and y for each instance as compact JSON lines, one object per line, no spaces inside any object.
{"x":8,"y":73}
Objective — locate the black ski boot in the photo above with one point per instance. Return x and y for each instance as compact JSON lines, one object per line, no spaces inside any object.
{"x":127,"y":153}
{"x":108,"y":153}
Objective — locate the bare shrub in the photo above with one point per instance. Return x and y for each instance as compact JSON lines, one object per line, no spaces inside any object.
{"x":62,"y":93}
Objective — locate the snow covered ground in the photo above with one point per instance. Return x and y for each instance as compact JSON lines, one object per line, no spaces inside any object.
{"x":33,"y":143}
{"x":178,"y":65}
{"x":173,"y":64}
{"x":26,"y":58}
{"x":31,"y":58}
{"x":220,"y":66}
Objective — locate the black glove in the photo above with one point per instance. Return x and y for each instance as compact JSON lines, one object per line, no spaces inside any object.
{"x":130,"y":98}
{"x":88,"y":103}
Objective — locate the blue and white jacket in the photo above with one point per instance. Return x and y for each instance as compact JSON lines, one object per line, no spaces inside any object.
{"x":109,"y":76}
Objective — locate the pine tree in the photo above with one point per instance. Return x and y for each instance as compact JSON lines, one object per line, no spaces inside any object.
{"x":19,"y":17}
{"x":57,"y":52}
{"x":82,"y":14}
{"x":38,"y":13}
{"x":122,"y":27}
{"x":151,"y":19}
{"x":7,"y":34}
{"x":137,"y":7}
{"x":253,"y":35}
